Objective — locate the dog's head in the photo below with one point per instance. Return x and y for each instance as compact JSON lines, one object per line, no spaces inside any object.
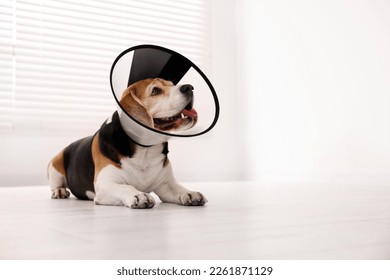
{"x":160,"y":104}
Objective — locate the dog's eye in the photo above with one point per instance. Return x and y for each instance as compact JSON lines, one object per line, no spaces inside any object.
{"x":156,"y":91}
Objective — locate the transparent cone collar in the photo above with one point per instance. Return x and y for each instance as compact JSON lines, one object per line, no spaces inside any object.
{"x":161,"y":94}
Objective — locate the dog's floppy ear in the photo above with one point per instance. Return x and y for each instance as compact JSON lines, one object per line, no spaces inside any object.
{"x":133,"y":106}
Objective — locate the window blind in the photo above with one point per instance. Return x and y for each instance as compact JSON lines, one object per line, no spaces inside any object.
{"x":6,"y":63}
{"x":58,"y":55}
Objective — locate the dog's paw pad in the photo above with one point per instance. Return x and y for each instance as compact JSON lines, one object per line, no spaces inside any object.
{"x":142,"y":201}
{"x":59,"y":193}
{"x":192,"y":199}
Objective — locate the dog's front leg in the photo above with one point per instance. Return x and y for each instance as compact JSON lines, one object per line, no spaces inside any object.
{"x":173,"y":192}
{"x":111,"y":193}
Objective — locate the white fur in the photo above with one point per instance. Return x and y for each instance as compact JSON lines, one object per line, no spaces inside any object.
{"x":90,"y":195}
{"x":56,"y":179}
{"x":138,"y":176}
{"x":109,"y":120}
{"x":57,"y":183}
{"x":167,"y":105}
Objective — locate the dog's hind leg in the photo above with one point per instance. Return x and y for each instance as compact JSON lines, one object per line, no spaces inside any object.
{"x":56,"y":176}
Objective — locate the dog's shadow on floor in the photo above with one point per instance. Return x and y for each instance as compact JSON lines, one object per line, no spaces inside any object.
{"x":75,"y":203}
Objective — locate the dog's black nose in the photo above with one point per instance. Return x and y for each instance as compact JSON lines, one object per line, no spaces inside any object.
{"x":186,"y":89}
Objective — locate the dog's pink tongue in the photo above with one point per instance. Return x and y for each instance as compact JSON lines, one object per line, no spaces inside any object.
{"x":190,"y":113}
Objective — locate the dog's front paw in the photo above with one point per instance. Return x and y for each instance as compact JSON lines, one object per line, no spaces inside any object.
{"x":192,"y":199}
{"x":60,"y":193}
{"x":142,"y":201}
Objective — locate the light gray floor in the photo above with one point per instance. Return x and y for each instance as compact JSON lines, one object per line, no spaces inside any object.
{"x":241,"y":221}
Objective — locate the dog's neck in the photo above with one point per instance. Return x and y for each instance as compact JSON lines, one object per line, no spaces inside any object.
{"x":114,"y":141}
{"x":141,"y":135}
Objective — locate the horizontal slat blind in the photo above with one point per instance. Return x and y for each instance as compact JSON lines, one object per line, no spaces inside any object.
{"x":6,"y":64}
{"x":64,"y":50}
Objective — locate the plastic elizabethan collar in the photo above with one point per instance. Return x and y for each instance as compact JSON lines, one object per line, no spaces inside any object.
{"x":149,"y":61}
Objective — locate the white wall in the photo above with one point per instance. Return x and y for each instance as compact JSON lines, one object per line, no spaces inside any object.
{"x":216,"y":156}
{"x":315,"y":78}
{"x":24,"y":158}
{"x":211,"y":157}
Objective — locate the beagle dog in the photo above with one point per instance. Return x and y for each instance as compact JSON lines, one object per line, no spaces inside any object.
{"x":111,"y":169}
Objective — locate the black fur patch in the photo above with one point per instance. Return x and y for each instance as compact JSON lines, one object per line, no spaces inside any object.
{"x":165,"y":151}
{"x":114,"y":140}
{"x":79,"y":167}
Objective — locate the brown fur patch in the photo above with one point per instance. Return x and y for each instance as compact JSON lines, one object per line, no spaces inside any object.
{"x":100,"y":161}
{"x":58,"y":163}
{"x":133,"y":105}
